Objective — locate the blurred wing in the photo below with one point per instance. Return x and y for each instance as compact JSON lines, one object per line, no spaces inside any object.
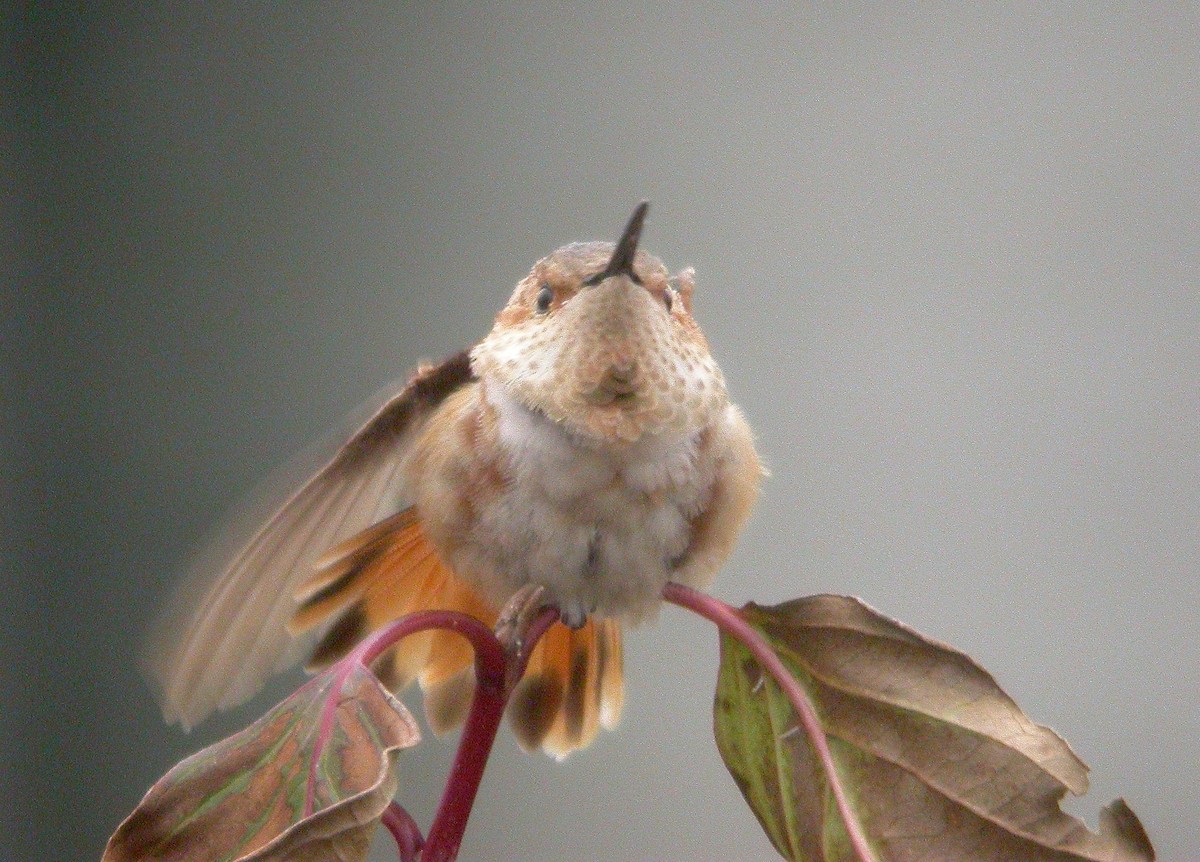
{"x":226,"y":636}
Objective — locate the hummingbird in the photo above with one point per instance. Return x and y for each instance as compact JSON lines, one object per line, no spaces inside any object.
{"x":586,"y":445}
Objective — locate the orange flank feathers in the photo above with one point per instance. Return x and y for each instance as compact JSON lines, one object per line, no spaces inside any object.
{"x":573,"y":685}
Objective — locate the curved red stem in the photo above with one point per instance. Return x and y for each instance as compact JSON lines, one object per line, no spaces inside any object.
{"x":487,"y":710}
{"x":405,"y":831}
{"x":729,"y":620}
{"x":490,"y":664}
{"x":493,"y":677}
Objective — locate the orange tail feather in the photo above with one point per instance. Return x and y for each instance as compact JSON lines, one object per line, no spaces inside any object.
{"x":574,"y":683}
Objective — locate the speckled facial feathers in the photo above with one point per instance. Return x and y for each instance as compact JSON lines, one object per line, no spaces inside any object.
{"x":611,"y":362}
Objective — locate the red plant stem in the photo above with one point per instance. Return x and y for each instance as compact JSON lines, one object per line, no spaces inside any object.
{"x":450,"y":822}
{"x":405,"y":830}
{"x":475,"y":746}
{"x":490,"y":661}
{"x":730,"y":621}
{"x":489,"y":654}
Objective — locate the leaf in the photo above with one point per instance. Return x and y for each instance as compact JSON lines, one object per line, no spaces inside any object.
{"x":244,"y":798}
{"x":937,"y":762}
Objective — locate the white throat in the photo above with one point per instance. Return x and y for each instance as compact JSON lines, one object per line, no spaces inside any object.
{"x":534,"y":441}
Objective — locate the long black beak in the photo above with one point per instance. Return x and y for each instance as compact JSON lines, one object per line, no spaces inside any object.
{"x":621,"y":262}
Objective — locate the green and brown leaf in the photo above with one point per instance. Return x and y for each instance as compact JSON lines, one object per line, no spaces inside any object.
{"x":938,"y":762}
{"x":244,"y":798}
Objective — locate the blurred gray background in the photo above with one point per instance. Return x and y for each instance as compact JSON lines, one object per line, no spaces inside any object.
{"x":947,"y":258}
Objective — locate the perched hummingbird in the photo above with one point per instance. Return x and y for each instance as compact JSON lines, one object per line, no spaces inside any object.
{"x":587,"y":444}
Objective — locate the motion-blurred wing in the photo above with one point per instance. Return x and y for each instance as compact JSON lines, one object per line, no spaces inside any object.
{"x":226,"y":636}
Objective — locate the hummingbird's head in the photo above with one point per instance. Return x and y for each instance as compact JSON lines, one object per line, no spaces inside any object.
{"x":601,"y":340}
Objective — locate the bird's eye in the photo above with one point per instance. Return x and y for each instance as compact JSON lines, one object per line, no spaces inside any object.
{"x":544,"y":298}
{"x":668,"y":298}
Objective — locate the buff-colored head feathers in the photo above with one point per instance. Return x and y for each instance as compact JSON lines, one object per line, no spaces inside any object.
{"x":601,"y":340}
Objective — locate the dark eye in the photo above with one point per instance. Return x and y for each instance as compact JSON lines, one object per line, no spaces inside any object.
{"x":668,"y":298}
{"x":544,"y":298}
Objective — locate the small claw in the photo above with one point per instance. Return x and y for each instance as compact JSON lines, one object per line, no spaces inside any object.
{"x":573,"y":614}
{"x":516,"y":616}
{"x":521,"y":622}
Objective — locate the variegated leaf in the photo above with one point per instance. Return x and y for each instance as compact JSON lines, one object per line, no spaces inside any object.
{"x":938,"y":763}
{"x":245,"y":797}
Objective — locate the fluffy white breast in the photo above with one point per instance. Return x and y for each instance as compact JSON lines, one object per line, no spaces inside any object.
{"x":602,"y":525}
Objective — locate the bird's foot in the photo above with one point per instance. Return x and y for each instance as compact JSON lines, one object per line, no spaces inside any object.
{"x":517,"y":614}
{"x":573,"y":614}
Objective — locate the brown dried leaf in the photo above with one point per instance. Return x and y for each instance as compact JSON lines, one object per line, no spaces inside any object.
{"x":244,"y":797}
{"x":938,"y":762}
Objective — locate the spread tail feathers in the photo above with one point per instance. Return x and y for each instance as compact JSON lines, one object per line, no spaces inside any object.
{"x":573,"y":685}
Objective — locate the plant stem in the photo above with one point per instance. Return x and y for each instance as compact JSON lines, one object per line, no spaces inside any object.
{"x":487,"y":708}
{"x":405,"y":830}
{"x":489,"y":654}
{"x":498,"y":667}
{"x":490,"y":660}
{"x":475,"y":746}
{"x":731,"y":621}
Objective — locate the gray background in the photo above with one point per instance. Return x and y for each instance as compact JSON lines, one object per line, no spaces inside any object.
{"x":946,"y":257}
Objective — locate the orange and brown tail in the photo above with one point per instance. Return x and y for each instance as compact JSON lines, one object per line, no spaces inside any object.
{"x":572,"y":688}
